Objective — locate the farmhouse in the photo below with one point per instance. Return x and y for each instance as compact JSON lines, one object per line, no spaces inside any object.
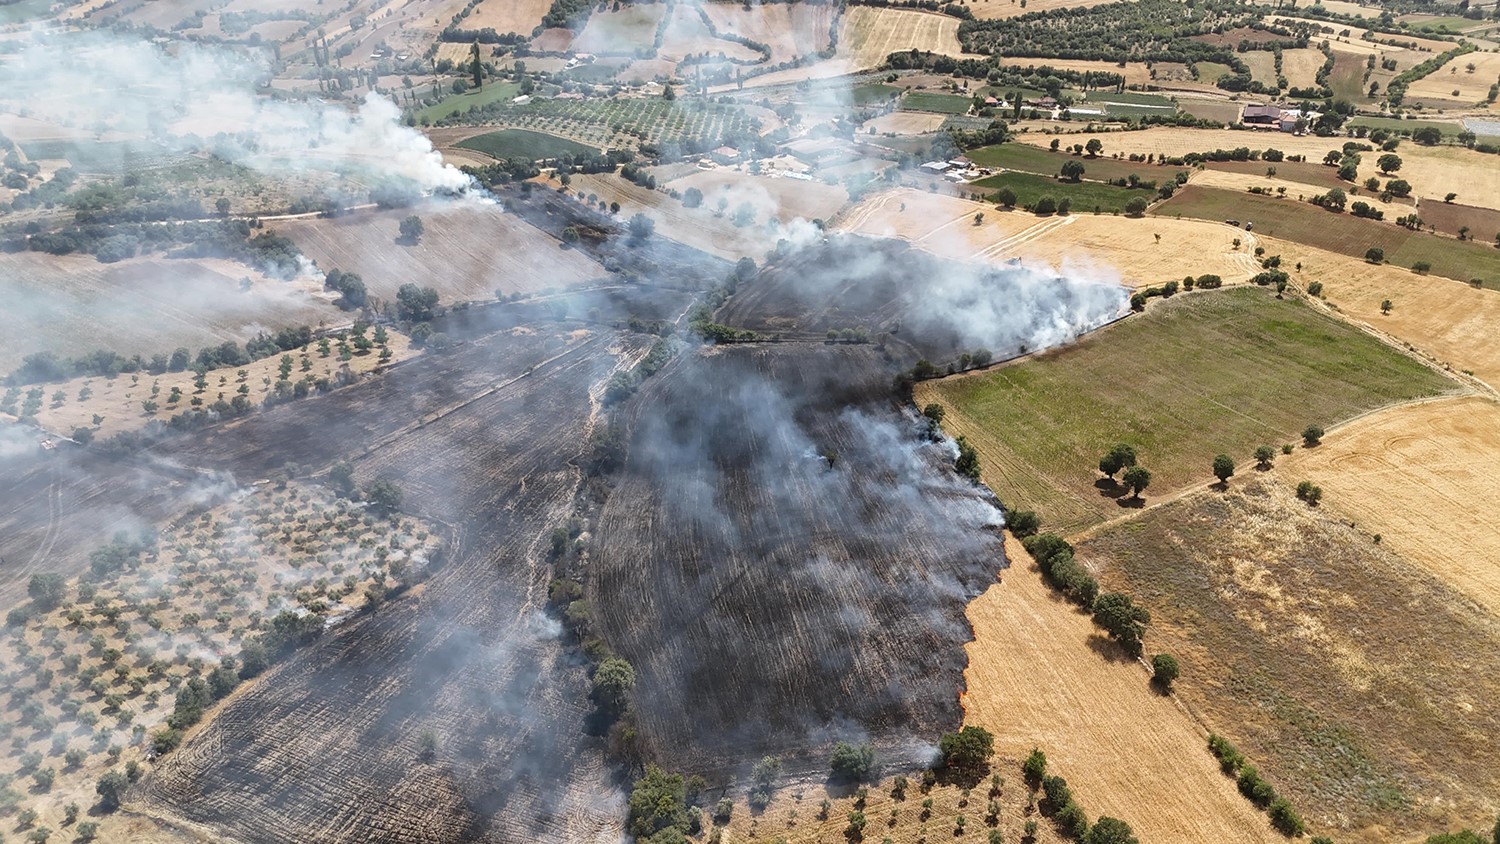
{"x":1261,"y":115}
{"x":818,"y":150}
{"x":725,"y":155}
{"x":937,"y":167}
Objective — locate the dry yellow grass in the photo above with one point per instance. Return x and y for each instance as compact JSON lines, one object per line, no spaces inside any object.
{"x":789,"y":29}
{"x":905,"y":123}
{"x":1300,"y":67}
{"x":1455,"y":76}
{"x":1262,"y":66}
{"x":794,"y":815}
{"x":989,"y":9}
{"x":870,"y":34}
{"x":1449,"y":321}
{"x":1116,"y":249}
{"x":1422,"y":476}
{"x":1432,"y":171}
{"x":614,"y":31}
{"x":1042,"y":675}
{"x":520,"y":16}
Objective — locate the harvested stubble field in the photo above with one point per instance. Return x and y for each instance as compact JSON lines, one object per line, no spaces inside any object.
{"x":784,"y":555}
{"x":1471,"y":87}
{"x":118,"y":653}
{"x":1446,"y":319}
{"x":1343,"y":233}
{"x":327,"y":748}
{"x":1197,"y":375}
{"x":871,"y":33}
{"x":1106,"y":247}
{"x":520,"y":16}
{"x":469,"y":251}
{"x":153,"y":304}
{"x":687,"y":34}
{"x":785,"y":199}
{"x":701,"y":228}
{"x":789,"y":29}
{"x":1413,"y":474}
{"x":905,"y":123}
{"x":621,"y":29}
{"x":119,"y":399}
{"x":1311,"y":648}
{"x":1042,"y":675}
{"x":1301,"y":66}
{"x":794,"y":815}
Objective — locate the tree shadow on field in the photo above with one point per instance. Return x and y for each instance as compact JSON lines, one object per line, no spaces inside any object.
{"x":1131,"y":502}
{"x":1110,"y":488}
{"x":1108,"y":648}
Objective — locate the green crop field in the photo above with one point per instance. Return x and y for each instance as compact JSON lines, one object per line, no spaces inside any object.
{"x":520,"y":143}
{"x":1196,"y":375}
{"x":1086,"y":197}
{"x":940,"y":103}
{"x":492,"y":92}
{"x":1449,"y":129}
{"x":1131,"y":98}
{"x":876,"y":94}
{"x":1303,"y":222}
{"x":1030,"y":159}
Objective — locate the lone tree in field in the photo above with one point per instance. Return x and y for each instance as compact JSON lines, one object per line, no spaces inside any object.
{"x":1072,"y":170}
{"x":1093,"y":147}
{"x":1388,"y":163}
{"x":1312,"y":435}
{"x":1120,"y":457}
{"x":852,"y":762}
{"x":411,"y":229}
{"x":1386,"y":305}
{"x":1006,"y":197}
{"x":1164,"y":671}
{"x":1265,"y":456}
{"x":1375,"y":255}
{"x":384,"y":497}
{"x":641,"y":228}
{"x":967,"y":750}
{"x":1223,"y":468}
{"x":613,"y":680}
{"x":1136,"y":479}
{"x":1125,"y":622}
{"x":476,"y":69}
{"x":1136,"y":207}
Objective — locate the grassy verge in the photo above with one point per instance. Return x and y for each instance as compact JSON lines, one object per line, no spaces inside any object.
{"x":1030,"y":159}
{"x":521,"y":143}
{"x":1345,"y":234}
{"x":1086,"y":197}
{"x":1194,"y":376}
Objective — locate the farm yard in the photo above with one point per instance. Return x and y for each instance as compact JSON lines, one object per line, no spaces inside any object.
{"x":144,"y":305}
{"x":1041,"y":675}
{"x":1040,"y":433}
{"x":1411,"y":474}
{"x":148,"y":620}
{"x":471,"y":250}
{"x":1296,"y":641}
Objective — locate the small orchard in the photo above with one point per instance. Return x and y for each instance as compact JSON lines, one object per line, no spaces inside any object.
{"x":106,"y":671}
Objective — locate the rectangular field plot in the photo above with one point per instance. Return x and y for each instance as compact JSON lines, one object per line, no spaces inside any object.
{"x":1198,"y":375}
{"x":521,"y":143}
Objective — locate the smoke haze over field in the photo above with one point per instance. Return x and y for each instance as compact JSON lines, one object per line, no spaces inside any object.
{"x":189,"y":95}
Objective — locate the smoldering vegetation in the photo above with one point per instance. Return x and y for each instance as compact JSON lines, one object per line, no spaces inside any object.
{"x":938,"y":308}
{"x":786,"y":559}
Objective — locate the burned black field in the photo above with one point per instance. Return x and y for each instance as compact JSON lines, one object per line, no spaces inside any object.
{"x":763,"y":530}
{"x":785,"y":560}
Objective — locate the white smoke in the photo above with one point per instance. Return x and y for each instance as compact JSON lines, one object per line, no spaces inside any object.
{"x":185,"y":97}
